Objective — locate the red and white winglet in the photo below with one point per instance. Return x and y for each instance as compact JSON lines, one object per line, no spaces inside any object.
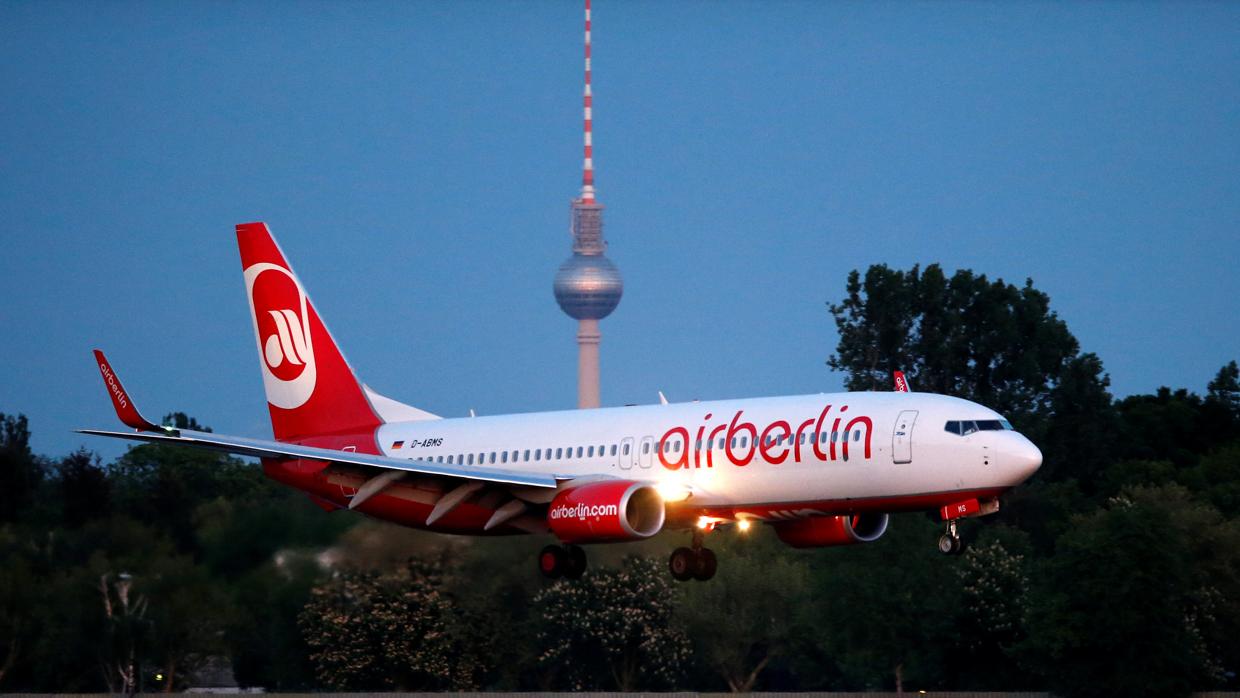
{"x":125,"y":409}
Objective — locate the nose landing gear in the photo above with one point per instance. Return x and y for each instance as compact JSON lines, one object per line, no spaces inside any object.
{"x":949,"y":542}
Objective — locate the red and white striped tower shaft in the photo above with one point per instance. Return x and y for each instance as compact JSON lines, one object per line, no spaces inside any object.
{"x":587,"y":168}
{"x":588,"y":286}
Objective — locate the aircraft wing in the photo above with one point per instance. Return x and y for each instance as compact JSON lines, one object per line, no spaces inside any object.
{"x":259,"y":448}
{"x":145,"y":430}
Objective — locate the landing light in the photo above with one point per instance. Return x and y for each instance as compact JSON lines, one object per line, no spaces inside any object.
{"x":742,"y":525}
{"x":704,"y":522}
{"x":672,"y":492}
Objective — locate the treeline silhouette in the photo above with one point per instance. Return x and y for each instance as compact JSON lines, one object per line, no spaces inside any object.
{"x":1115,"y":570}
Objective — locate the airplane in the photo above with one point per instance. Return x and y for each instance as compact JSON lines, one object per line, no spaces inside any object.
{"x":821,"y":470}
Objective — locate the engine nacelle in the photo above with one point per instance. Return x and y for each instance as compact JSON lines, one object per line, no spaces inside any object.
{"x":611,"y":510}
{"x":821,"y":531}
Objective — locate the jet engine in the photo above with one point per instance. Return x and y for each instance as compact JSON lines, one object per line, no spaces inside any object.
{"x":610,"y":510}
{"x":821,"y":531}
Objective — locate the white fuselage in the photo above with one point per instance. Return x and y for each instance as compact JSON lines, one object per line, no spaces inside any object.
{"x":707,"y":448}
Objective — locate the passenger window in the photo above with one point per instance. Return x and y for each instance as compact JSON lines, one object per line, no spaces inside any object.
{"x":471,"y":459}
{"x":857,"y":435}
{"x":591,"y":453}
{"x":526,"y":457}
{"x":835,"y":436}
{"x":645,"y":448}
{"x":559,"y":453}
{"x":503,"y":457}
{"x":625,"y":450}
{"x":492,"y":459}
{"x":744,"y":442}
{"x":613,"y":449}
{"x":578,"y":451}
{"x":537,"y":453}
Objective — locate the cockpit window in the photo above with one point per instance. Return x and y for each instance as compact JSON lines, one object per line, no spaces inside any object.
{"x":966,"y":427}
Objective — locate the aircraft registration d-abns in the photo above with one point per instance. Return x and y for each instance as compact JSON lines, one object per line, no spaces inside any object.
{"x":821,"y":470}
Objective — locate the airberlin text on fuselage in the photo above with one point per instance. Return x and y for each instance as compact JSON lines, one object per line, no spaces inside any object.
{"x":776,"y":442}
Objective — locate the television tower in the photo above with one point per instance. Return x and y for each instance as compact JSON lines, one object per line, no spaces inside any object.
{"x":588,"y":286}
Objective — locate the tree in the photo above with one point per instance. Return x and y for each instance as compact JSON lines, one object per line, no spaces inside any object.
{"x":1079,"y":433}
{"x":1225,"y":388}
{"x":163,"y":485}
{"x":1118,"y":573}
{"x":990,"y":342}
{"x":368,"y":631}
{"x":990,"y":624}
{"x":612,"y":629}
{"x":884,"y":609}
{"x":180,"y":633}
{"x":21,"y":471}
{"x":742,"y":620}
{"x":85,"y":491}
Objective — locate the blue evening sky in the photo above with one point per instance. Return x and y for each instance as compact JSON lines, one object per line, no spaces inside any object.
{"x":416,"y":161}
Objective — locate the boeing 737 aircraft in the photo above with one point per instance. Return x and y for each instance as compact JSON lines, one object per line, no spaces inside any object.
{"x":821,"y":470}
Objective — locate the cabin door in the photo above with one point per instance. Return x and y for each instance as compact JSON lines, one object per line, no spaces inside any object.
{"x":902,"y":437}
{"x":627,"y":456}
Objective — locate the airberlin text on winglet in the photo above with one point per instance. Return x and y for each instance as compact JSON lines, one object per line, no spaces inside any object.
{"x":772,"y":442}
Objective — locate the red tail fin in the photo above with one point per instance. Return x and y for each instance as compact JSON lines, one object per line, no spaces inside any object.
{"x":311,"y":391}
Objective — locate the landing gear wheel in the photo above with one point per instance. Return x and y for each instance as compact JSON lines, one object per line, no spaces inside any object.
{"x":682,"y":564}
{"x":705,"y":565}
{"x":576,"y":559}
{"x":948,"y":544}
{"x":552,"y":562}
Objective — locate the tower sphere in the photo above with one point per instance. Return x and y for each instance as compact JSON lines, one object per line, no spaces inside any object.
{"x":588,"y":287}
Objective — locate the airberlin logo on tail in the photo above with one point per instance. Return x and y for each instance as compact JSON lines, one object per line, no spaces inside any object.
{"x":117,"y":393}
{"x":281,"y":317}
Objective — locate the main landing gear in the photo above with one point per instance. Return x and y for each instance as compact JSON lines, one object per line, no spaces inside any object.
{"x":694,"y":562}
{"x":568,"y":561}
{"x":949,"y":543}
